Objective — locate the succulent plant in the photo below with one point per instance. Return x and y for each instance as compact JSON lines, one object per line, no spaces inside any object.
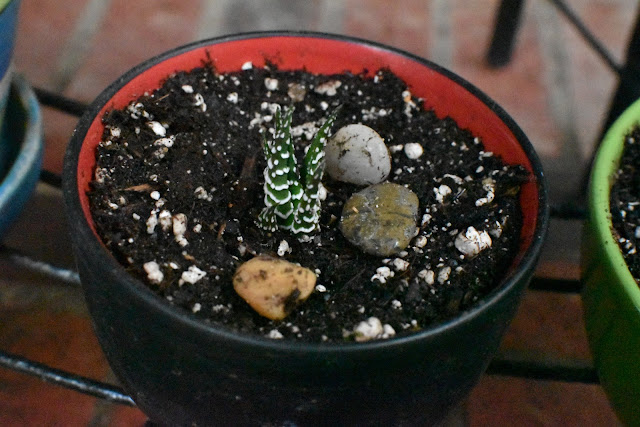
{"x":291,"y":197}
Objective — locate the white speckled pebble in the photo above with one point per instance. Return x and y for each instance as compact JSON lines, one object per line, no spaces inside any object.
{"x":358,"y":155}
{"x":471,"y":242}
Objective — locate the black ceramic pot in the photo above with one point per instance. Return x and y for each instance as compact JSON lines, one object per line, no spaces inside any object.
{"x":184,"y":372}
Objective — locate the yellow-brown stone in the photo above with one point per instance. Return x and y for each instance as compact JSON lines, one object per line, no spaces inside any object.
{"x":272,"y":286}
{"x":381,"y":219}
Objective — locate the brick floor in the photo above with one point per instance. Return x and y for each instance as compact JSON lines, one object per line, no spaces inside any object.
{"x":36,"y":56}
{"x":555,"y":87}
{"x":43,"y":28}
{"x":500,"y":401}
{"x":124,"y":40}
{"x":62,"y":340}
{"x":519,"y":88}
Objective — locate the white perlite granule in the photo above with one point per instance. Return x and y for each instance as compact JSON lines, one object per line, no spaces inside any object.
{"x":441,"y":192}
{"x":165,"y":220}
{"x":400,"y":264}
{"x":443,"y":274}
{"x":382,"y":273}
{"x":413,"y":150}
{"x":470,"y":242}
{"x":271,"y":84}
{"x":152,"y":221}
{"x":157,"y":128}
{"x":233,"y":97}
{"x":372,"y":328}
{"x":420,"y":242}
{"x":192,"y":275}
{"x":329,"y":88}
{"x":199,"y":102}
{"x":275,"y":334}
{"x":283,"y":248}
{"x":179,"y":228}
{"x":428,"y":276}
{"x":154,"y":274}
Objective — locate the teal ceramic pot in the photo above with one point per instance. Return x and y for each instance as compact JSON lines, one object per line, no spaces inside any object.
{"x":182,"y":371}
{"x":21,"y":150}
{"x":611,"y":296}
{"x":8,"y":22}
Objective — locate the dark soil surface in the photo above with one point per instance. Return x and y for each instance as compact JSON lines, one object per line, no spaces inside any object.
{"x":625,"y":202}
{"x":211,"y":172}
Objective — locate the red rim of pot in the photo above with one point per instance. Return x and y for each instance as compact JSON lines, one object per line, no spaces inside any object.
{"x":445,"y":92}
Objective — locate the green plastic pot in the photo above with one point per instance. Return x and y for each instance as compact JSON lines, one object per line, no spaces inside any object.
{"x":611,"y":296}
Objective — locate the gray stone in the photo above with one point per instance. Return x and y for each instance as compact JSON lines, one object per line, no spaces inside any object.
{"x":358,"y":155}
{"x":381,"y":219}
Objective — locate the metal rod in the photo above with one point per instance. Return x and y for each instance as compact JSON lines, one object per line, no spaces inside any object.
{"x":65,"y":379}
{"x":550,"y":370}
{"x":51,"y":178}
{"x":568,"y":210}
{"x":626,"y":93}
{"x":547,"y":284}
{"x":586,"y":34}
{"x":60,"y":102}
{"x":507,"y":23}
{"x":628,"y":88}
{"x":506,"y":26}
{"x":60,"y":273}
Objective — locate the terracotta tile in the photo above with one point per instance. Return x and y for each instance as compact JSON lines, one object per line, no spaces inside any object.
{"x":43,"y":28}
{"x":518,"y":87}
{"x":58,"y":128}
{"x":558,"y":269}
{"x":548,"y":324}
{"x":41,"y":230}
{"x":370,"y":22}
{"x":503,"y":401}
{"x":64,"y":341}
{"x":402,"y":24}
{"x":122,"y":416}
{"x":612,"y":23}
{"x":133,"y":32}
{"x":30,"y":402}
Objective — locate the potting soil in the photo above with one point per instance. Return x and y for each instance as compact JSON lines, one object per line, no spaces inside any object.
{"x":178,"y":188}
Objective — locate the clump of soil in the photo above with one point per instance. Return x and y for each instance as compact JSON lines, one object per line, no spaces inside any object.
{"x":625,"y":202}
{"x":190,"y":154}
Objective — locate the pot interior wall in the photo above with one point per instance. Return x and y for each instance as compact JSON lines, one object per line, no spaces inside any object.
{"x":447,"y":94}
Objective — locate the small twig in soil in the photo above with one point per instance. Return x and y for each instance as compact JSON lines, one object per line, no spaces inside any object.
{"x":162,"y":97}
{"x":221,"y":230}
{"x":248,"y":167}
{"x":353,"y":279}
{"x":244,"y":180}
{"x":332,"y":219}
{"x":139,"y":188}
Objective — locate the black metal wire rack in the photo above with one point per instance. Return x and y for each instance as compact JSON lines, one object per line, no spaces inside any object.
{"x":499,"y":53}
